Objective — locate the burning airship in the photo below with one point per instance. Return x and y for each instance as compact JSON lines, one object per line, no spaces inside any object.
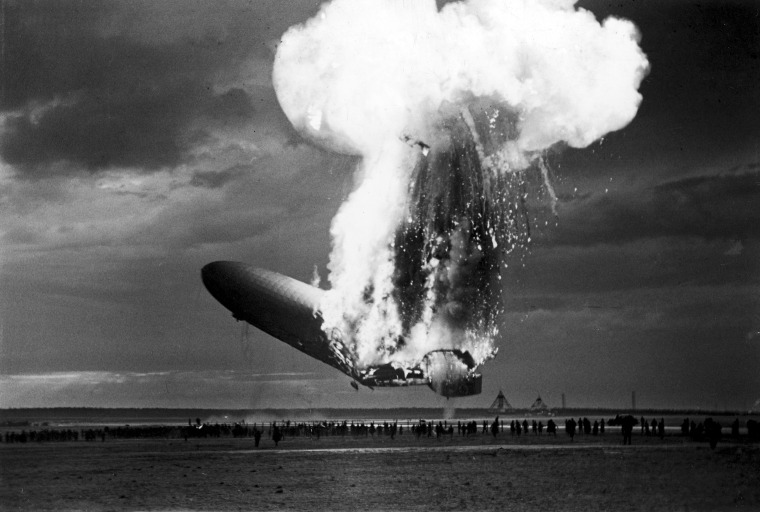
{"x":288,"y":309}
{"x":446,"y":133}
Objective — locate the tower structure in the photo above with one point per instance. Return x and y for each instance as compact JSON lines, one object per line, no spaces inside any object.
{"x":501,"y":404}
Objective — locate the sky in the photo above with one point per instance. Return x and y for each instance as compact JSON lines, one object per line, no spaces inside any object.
{"x":141,"y":140}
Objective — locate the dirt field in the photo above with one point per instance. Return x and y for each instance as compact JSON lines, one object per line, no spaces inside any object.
{"x":334,"y":473}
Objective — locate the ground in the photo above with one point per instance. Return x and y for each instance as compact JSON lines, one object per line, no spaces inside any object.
{"x":378,"y":473}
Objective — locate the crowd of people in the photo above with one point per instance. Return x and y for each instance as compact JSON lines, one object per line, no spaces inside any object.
{"x":709,"y":430}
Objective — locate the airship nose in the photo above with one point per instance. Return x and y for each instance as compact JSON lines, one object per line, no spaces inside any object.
{"x":213,"y":273}
{"x":219,"y":279}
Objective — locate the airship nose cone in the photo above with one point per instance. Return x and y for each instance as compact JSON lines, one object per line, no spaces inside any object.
{"x":212,"y":272}
{"x":220,"y":278}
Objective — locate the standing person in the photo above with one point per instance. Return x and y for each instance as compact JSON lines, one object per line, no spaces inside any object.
{"x":276,"y":435}
{"x":713,"y":431}
{"x":570,"y":428}
{"x":627,"y":424}
{"x":661,"y":428}
{"x":495,"y":426}
{"x":256,"y":437}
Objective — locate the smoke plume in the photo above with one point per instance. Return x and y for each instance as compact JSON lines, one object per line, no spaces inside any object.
{"x":447,"y":107}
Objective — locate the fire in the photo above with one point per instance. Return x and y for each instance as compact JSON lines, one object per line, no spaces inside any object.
{"x":447,"y":108}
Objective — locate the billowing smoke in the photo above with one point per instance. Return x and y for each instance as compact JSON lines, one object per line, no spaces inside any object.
{"x":446,"y":108}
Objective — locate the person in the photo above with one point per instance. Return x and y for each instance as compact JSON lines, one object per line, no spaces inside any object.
{"x":661,"y":428}
{"x":276,"y":435}
{"x":495,"y":426}
{"x":712,"y":429}
{"x":551,"y":428}
{"x":627,"y":423}
{"x":570,"y":428}
{"x":256,"y":437}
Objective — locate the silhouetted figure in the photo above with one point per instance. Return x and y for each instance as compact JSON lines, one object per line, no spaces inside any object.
{"x":661,"y":428}
{"x":595,"y":429}
{"x":601,"y":427}
{"x":495,"y":426}
{"x":626,"y":424}
{"x":654,"y":426}
{"x":512,"y":427}
{"x":570,"y":428}
{"x":540,"y":428}
{"x":551,"y":428}
{"x":712,"y":429}
{"x":276,"y":435}
{"x":257,"y":437}
{"x":753,"y":430}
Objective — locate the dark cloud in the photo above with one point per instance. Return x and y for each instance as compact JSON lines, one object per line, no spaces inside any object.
{"x":95,"y":101}
{"x":709,"y":207}
{"x":217,"y":179}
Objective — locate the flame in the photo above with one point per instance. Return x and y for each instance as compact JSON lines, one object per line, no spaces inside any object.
{"x":480,"y":89}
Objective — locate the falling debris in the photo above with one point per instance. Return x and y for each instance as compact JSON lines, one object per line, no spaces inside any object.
{"x":411,"y":142}
{"x":419,"y":244}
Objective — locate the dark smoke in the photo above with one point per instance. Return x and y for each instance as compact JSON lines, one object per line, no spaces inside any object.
{"x":464,"y":216}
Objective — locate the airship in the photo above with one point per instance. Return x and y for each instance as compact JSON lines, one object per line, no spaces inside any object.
{"x":289,"y":310}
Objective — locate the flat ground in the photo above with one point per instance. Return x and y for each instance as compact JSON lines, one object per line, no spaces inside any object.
{"x":371,"y":473}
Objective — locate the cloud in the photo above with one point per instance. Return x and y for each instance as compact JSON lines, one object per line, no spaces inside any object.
{"x":708,"y":206}
{"x":79,"y":94}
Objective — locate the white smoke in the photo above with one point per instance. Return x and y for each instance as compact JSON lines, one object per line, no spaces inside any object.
{"x":364,"y":74}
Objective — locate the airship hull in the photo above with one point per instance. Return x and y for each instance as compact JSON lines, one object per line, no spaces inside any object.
{"x":288,"y":309}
